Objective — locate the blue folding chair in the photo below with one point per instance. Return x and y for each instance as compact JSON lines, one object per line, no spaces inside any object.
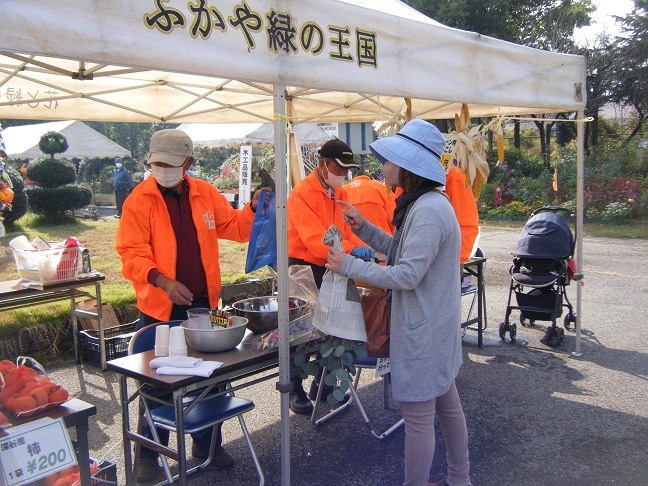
{"x":200,"y":412}
{"x":360,"y":364}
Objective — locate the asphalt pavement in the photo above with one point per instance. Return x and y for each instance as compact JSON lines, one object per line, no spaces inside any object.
{"x":537,"y":415}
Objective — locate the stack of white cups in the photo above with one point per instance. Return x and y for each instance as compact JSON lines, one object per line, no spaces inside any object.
{"x":162,"y":340}
{"x":177,"y":343}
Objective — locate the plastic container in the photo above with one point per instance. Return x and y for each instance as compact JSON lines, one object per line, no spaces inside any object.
{"x":48,"y":266}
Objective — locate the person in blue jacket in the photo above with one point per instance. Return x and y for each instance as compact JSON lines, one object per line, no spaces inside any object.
{"x":121,"y":184}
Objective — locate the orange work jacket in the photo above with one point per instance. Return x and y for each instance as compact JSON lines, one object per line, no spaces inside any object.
{"x":145,"y":239}
{"x":311,"y":211}
{"x":465,"y":207}
{"x":370,"y":197}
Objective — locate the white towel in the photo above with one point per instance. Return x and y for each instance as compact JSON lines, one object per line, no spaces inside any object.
{"x":175,"y":362}
{"x":205,"y":369}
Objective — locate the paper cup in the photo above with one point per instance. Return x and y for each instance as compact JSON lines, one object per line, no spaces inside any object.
{"x":162,"y":340}
{"x":178,"y":351}
{"x":177,"y":343}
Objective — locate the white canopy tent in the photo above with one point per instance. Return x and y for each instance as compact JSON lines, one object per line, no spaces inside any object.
{"x":255,"y":134}
{"x":22,"y":141}
{"x":270,"y":61}
{"x":219,"y":134}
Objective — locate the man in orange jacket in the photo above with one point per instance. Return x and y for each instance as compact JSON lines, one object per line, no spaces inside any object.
{"x":168,"y":243}
{"x":372,"y":199}
{"x":312,"y":209}
{"x":465,"y":207}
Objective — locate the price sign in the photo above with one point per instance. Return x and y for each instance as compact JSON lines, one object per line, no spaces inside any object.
{"x":35,"y":450}
{"x":382,"y":366}
{"x":448,"y":156}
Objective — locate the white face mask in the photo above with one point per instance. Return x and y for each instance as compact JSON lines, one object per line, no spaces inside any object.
{"x":167,"y":176}
{"x":333,"y":180}
{"x":118,"y":165}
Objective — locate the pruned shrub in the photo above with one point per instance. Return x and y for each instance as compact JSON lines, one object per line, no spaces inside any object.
{"x":51,"y":172}
{"x":52,"y":143}
{"x":51,"y":202}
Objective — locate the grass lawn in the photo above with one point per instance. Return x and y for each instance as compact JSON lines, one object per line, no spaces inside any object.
{"x":99,"y":237}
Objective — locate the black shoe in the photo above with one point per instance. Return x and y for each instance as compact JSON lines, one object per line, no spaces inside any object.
{"x":299,"y":402}
{"x":147,"y":470}
{"x":222,"y":458}
{"x":198,"y":451}
{"x":312,"y":393}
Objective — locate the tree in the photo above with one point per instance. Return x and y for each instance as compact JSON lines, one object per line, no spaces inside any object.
{"x":134,"y":136}
{"x":544,"y":24}
{"x":630,"y":67}
{"x":56,"y":192}
{"x":52,"y":143}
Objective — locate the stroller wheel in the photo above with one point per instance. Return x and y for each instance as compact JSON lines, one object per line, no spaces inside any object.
{"x":523,"y":321}
{"x":569,"y":318}
{"x":560,"y":335}
{"x":502,"y":330}
{"x":549,"y":334}
{"x":513,"y":331}
{"x":567,"y":322}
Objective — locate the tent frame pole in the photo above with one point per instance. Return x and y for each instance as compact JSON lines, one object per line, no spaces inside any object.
{"x":580,"y":201}
{"x":281,"y":176}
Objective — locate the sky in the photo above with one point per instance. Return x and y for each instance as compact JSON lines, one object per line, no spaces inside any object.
{"x":602,"y":20}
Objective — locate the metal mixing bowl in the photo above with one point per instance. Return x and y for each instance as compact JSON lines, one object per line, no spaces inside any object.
{"x":218,"y":338}
{"x":262,"y":313}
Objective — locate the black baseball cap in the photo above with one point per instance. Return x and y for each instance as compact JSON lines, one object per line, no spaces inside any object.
{"x":340,"y":152}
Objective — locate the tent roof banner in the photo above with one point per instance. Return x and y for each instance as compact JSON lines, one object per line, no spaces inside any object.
{"x":352,"y":60}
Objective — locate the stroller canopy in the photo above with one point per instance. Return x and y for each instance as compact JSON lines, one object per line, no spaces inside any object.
{"x":545,"y":235}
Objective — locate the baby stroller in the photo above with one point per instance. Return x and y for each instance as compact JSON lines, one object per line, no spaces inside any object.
{"x":542,"y":268}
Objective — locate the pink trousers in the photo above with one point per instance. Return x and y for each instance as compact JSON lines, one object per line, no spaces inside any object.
{"x":419,"y":439}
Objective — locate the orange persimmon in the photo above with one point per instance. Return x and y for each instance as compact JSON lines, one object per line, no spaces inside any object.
{"x":24,"y":404}
{"x":40,"y":395}
{"x":59,"y":395}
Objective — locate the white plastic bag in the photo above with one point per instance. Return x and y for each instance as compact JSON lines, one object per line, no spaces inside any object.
{"x":338,"y":311}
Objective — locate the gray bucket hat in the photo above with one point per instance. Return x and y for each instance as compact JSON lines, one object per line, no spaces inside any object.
{"x":417,"y":148}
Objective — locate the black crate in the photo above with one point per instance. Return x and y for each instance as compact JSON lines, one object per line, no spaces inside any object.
{"x":107,"y":474}
{"x":116,"y":341}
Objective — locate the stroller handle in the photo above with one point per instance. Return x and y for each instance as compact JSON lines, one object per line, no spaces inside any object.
{"x":553,"y":209}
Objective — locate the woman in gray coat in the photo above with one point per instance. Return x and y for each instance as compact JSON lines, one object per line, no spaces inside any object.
{"x":424,"y":297}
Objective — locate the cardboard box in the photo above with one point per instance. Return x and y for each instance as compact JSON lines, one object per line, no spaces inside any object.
{"x":108,"y":316}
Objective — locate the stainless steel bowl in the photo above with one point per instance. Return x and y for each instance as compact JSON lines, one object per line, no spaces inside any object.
{"x":218,"y":338}
{"x":262,"y":313}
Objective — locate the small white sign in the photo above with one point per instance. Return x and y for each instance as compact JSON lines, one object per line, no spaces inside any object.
{"x":35,"y":450}
{"x":382,"y":366}
{"x":245,"y":175}
{"x":448,"y":159}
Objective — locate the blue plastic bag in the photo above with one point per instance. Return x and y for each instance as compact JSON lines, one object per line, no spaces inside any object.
{"x":262,"y":249}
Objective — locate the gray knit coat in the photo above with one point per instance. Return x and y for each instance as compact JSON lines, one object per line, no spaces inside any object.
{"x":425,"y":345}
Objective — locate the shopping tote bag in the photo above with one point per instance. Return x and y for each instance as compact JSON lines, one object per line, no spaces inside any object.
{"x":262,"y":249}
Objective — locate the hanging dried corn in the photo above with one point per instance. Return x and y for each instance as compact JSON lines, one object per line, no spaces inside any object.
{"x":471,"y":151}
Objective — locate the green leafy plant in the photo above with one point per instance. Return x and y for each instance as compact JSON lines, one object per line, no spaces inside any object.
{"x":51,"y":173}
{"x":18,"y":206}
{"x":337,"y":356}
{"x":52,"y":143}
